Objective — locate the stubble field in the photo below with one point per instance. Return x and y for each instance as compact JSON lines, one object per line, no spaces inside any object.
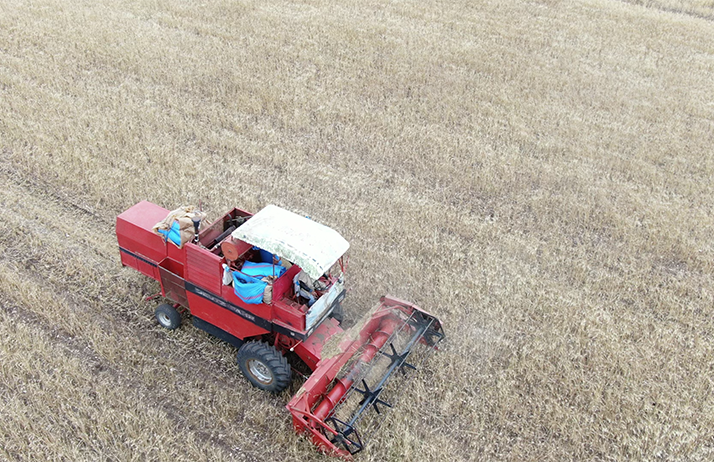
{"x":537,"y":174}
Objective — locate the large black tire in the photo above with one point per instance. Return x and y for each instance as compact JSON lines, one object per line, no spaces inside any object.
{"x":168,"y":316}
{"x":264,"y":366}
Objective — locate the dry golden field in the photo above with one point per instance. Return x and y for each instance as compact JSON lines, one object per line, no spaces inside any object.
{"x":539,"y":174}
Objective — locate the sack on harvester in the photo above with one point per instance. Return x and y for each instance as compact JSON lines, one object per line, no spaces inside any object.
{"x":178,"y":226}
{"x":249,"y":289}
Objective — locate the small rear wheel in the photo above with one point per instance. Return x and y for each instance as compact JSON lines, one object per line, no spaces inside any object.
{"x":168,"y":316}
{"x":264,"y":366}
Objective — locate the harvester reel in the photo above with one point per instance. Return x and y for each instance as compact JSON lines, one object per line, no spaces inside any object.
{"x":264,"y":366}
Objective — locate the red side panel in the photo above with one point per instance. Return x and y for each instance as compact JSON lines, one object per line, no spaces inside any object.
{"x":140,"y":247}
{"x":285,"y":309}
{"x":203,"y":268}
{"x":204,"y":286}
{"x":289,"y":314}
{"x":148,"y":269}
{"x":129,"y":260}
{"x":259,"y":309}
{"x":285,"y":282}
{"x":173,"y":284}
{"x":174,"y":253}
{"x":223,"y":317}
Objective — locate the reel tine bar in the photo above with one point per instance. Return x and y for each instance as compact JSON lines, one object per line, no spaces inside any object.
{"x":371,"y":397}
{"x":325,"y":406}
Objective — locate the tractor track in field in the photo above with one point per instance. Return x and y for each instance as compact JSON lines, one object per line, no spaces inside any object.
{"x":83,"y":351}
{"x":96,"y":365}
{"x":25,"y":260}
{"x":30,"y":265}
{"x":20,"y":255}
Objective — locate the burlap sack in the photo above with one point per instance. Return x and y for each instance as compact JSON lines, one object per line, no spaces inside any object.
{"x":184,"y":216}
{"x":268,"y":292}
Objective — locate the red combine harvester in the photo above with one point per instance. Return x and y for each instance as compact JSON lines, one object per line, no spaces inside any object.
{"x":271,"y":284}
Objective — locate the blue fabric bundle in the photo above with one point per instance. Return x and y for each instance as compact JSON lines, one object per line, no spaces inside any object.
{"x":267,"y":257}
{"x":247,"y":288}
{"x":174,"y":233}
{"x":261,"y":270}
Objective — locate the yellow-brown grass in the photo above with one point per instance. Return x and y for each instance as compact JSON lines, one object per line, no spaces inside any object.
{"x":537,"y":174}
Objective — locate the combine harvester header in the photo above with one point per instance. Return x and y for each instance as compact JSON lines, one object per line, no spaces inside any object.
{"x":272,"y":284}
{"x":338,"y":394}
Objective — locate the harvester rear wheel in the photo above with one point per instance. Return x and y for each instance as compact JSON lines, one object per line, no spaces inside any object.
{"x":168,"y":316}
{"x":264,"y":366}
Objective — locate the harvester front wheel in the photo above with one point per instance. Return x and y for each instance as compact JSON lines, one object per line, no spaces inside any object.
{"x":168,"y":316}
{"x":264,"y":366}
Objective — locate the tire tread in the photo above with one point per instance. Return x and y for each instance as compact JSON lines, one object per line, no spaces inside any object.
{"x":272,"y":358}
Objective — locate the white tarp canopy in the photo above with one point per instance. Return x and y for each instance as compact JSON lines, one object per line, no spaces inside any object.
{"x":308,"y":244}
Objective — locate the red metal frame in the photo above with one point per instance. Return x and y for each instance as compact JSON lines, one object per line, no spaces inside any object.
{"x":316,"y":401}
{"x":192,"y":277}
